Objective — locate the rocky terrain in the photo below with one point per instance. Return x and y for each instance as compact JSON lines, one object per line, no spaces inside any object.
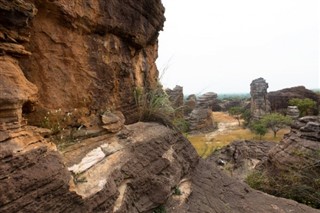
{"x":77,"y":68}
{"x":289,"y":169}
{"x":260,"y":104}
{"x":279,"y":99}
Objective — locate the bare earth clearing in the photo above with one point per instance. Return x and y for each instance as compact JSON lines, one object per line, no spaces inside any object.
{"x":228,"y":131}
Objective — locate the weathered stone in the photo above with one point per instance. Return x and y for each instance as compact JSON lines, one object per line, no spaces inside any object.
{"x":293,"y":112}
{"x":279,"y":100}
{"x":15,"y":90}
{"x":176,"y":99}
{"x":117,"y":53}
{"x":113,"y":121}
{"x":190,"y":104}
{"x":295,"y":161}
{"x":200,"y":119}
{"x":241,"y":157}
{"x":259,"y":102}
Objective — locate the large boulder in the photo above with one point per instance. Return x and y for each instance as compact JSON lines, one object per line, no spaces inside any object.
{"x":176,"y":99}
{"x":200,"y":118}
{"x":279,"y":100}
{"x":292,"y":168}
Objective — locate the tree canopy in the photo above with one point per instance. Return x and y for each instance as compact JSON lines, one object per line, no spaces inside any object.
{"x":275,"y":122}
{"x":305,"y":105}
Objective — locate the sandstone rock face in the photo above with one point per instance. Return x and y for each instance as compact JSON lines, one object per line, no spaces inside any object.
{"x":91,"y":54}
{"x":239,"y":158}
{"x":15,"y":90}
{"x":190,"y":104}
{"x":259,"y":102}
{"x":176,"y":96}
{"x":215,"y":192}
{"x":293,"y":112}
{"x":293,"y":165}
{"x":113,"y":121}
{"x":279,"y":99}
{"x":132,"y":171}
{"x":200,"y":118}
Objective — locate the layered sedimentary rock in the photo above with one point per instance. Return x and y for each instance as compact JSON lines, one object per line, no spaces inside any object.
{"x":293,"y":112}
{"x":292,"y":168}
{"x":279,"y":100}
{"x":176,"y":99}
{"x":190,"y":104}
{"x":259,"y":101}
{"x":92,"y":54}
{"x":239,"y":158}
{"x":200,"y":118}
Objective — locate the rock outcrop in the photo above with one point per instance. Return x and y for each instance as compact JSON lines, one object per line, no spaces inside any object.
{"x":91,"y":54}
{"x":91,"y":57}
{"x":239,"y":158}
{"x":190,"y":104}
{"x":259,"y":101}
{"x":292,"y":169}
{"x":293,"y":112}
{"x":176,"y":98}
{"x":279,"y":99}
{"x":200,"y":119}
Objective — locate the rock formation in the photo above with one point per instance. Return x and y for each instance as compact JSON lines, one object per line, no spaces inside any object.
{"x":176,"y":99}
{"x":293,"y":112}
{"x":259,"y":102}
{"x":190,"y":104}
{"x":80,"y":50}
{"x":279,"y":99}
{"x":91,"y":56}
{"x":200,"y":118}
{"x":292,"y":167}
{"x":239,"y":158}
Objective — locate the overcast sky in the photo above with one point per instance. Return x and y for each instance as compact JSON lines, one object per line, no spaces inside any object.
{"x":222,"y":45}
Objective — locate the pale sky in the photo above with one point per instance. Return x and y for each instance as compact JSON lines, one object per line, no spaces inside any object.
{"x":222,"y":45}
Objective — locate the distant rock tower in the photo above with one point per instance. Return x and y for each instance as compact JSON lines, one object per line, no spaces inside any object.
{"x":260,"y":104}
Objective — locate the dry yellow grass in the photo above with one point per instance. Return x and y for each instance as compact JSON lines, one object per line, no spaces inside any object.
{"x":205,"y":144}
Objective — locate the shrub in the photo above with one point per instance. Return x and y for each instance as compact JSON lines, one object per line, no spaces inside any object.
{"x":306,"y":106}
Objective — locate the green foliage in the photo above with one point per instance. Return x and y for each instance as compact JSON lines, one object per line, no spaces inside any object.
{"x":246,"y":116}
{"x":301,"y":186}
{"x":177,"y":191}
{"x":160,"y":209}
{"x":275,"y":122}
{"x":305,"y":106}
{"x":181,"y":124}
{"x":236,"y":112}
{"x":259,"y":128}
{"x":153,"y":102}
{"x":256,"y":180}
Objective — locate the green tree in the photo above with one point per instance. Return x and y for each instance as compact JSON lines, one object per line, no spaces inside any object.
{"x":275,"y":122}
{"x":259,"y":128}
{"x":304,"y":105}
{"x":236,"y":112}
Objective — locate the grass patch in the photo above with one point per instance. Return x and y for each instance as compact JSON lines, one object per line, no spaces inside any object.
{"x":206,"y":144}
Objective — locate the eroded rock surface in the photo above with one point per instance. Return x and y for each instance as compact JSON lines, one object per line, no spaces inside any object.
{"x":176,"y":99}
{"x":259,"y":102}
{"x":279,"y":99}
{"x":239,"y":158}
{"x":200,"y":119}
{"x":293,"y":167}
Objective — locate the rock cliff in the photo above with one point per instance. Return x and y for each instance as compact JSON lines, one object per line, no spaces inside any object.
{"x":88,"y":59}
{"x":292,"y":169}
{"x":279,"y":99}
{"x":96,"y":43}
